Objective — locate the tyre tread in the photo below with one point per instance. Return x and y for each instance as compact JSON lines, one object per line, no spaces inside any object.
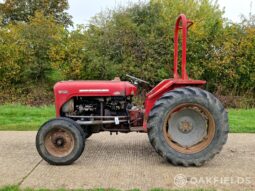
{"x":169,"y":99}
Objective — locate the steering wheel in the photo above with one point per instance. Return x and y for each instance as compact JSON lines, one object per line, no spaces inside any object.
{"x":135,"y":79}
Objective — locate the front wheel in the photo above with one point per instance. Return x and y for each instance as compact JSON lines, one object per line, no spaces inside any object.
{"x":188,"y":126}
{"x":60,"y":141}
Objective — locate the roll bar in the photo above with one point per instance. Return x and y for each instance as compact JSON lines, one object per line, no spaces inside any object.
{"x":186,"y":23}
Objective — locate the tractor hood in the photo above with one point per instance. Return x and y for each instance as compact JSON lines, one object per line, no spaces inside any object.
{"x":65,"y":90}
{"x":94,"y":88}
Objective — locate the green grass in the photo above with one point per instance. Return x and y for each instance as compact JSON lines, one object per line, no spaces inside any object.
{"x":242,"y":120}
{"x":17,"y":188}
{"x":23,"y":118}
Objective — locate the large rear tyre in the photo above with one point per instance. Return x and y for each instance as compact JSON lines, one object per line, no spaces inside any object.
{"x":60,"y":141}
{"x":188,"y":126}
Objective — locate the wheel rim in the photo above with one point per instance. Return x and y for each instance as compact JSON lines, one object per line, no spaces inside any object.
{"x":59,"y":142}
{"x":189,"y":128}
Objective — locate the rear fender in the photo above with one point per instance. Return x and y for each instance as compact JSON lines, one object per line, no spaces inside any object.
{"x":162,"y":88}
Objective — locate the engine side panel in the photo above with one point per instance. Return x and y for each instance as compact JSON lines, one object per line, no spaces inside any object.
{"x":97,"y":114}
{"x":64,"y":91}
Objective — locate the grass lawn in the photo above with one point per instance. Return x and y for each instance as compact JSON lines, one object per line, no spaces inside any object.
{"x":242,"y":120}
{"x":22,"y":118}
{"x":17,"y":188}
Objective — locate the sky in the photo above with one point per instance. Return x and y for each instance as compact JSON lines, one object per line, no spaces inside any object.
{"x":83,"y":10}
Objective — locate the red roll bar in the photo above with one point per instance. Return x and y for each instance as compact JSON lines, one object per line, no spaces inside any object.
{"x":184,"y":27}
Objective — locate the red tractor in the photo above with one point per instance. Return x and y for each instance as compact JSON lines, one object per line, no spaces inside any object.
{"x":185,"y":124}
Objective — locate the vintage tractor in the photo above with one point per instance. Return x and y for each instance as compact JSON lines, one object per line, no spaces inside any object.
{"x":185,"y":124}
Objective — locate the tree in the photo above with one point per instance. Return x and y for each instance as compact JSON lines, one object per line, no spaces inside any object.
{"x":36,"y":50}
{"x":139,"y":38}
{"x":22,"y":10}
{"x":10,"y":56}
{"x":68,"y":57}
{"x":38,"y":37}
{"x":26,"y":73}
{"x":25,"y":50}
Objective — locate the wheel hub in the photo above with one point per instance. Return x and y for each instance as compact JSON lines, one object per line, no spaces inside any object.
{"x":187,"y":127}
{"x":59,"y":142}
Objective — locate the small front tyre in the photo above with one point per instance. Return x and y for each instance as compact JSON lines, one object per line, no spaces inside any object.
{"x":60,"y":141}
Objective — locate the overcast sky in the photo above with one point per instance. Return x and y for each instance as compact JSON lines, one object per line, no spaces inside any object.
{"x":82,"y":10}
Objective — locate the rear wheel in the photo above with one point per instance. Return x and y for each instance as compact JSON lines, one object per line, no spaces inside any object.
{"x":60,"y":141}
{"x":188,"y":126}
